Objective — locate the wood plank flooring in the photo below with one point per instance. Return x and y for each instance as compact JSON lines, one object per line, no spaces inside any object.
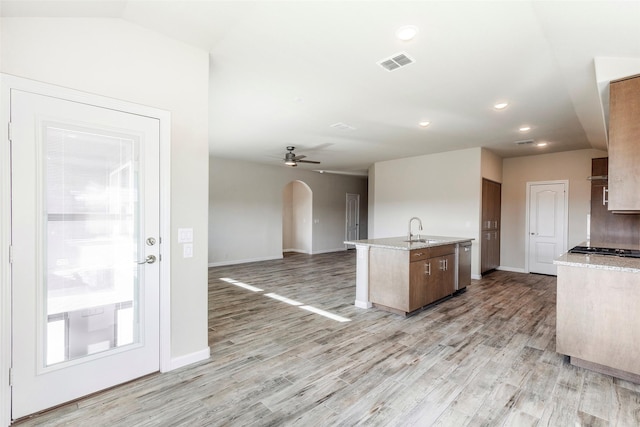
{"x":484,"y":358}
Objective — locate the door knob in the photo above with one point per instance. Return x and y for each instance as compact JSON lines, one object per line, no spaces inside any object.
{"x":150,"y":260}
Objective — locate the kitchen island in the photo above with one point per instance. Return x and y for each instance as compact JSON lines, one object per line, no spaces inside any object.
{"x":401,"y":276}
{"x":598,"y":313}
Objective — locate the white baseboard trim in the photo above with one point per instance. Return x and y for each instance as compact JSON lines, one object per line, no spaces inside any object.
{"x":476,"y":276}
{"x":363,"y":304}
{"x":271,"y":258}
{"x":326,"y":251}
{"x":512,"y":269}
{"x":242,"y":261}
{"x":188,"y":359}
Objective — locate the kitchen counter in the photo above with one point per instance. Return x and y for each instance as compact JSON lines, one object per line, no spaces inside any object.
{"x":385,"y":264}
{"x":401,"y":244}
{"x":602,"y":262}
{"x":598,"y":313}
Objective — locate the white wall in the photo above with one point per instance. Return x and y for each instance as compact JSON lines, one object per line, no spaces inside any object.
{"x":246,"y":209}
{"x":114,"y":58}
{"x":574,"y":166}
{"x":287,"y":218}
{"x":443,"y":190}
{"x":491,"y":167}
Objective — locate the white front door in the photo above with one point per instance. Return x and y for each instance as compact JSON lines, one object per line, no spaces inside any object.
{"x":353,"y":217}
{"x":85,"y":221}
{"x":547,"y":230}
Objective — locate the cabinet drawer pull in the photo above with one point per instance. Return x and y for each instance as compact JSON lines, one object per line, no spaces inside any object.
{"x":427,"y":268}
{"x":418,"y":254}
{"x":605,"y":190}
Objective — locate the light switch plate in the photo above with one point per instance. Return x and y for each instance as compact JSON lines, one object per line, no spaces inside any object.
{"x":185,"y":235}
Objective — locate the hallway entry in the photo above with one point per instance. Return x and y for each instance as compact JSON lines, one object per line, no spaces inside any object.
{"x":297,"y":221}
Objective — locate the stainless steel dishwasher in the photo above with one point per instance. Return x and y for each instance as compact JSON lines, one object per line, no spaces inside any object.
{"x":463,"y":261}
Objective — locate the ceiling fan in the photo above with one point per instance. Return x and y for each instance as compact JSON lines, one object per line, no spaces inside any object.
{"x":290,"y":159}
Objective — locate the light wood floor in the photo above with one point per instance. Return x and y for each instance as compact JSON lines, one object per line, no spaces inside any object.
{"x":486,"y":357}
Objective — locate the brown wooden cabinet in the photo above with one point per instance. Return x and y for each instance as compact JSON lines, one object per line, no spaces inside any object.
{"x":441,"y":282}
{"x":490,"y":226}
{"x":607,"y":227}
{"x":624,"y":144}
{"x":433,"y":278}
{"x":407,"y":281}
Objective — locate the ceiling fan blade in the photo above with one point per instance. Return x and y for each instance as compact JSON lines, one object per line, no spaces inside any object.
{"x":308,"y":161}
{"x":296,"y":158}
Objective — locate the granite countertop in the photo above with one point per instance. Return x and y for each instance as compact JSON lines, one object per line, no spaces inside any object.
{"x":400,"y":244}
{"x":602,"y":262}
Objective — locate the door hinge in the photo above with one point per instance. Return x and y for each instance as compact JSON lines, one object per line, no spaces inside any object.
{"x":9,"y":127}
{"x":10,"y":254}
{"x":10,"y":377}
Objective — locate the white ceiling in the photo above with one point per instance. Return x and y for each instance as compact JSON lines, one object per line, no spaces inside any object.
{"x":283,"y":72}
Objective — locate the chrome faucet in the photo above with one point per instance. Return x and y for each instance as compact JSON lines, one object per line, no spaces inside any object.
{"x":419,"y":227}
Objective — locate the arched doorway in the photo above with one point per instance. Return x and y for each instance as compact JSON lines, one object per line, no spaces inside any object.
{"x":297,"y":223}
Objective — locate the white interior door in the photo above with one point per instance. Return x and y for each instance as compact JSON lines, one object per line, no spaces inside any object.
{"x":547,"y":226}
{"x":85,"y":219}
{"x":353,"y":217}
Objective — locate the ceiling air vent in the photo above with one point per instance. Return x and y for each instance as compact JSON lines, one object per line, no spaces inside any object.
{"x":396,"y":61}
{"x":342,"y":126}
{"x":524,"y":142}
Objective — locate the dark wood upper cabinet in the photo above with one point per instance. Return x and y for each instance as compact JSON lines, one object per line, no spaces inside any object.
{"x":624,"y":144}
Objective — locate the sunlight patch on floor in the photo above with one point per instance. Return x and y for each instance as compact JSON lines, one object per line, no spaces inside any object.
{"x":325,"y":313}
{"x":283,"y":299}
{"x":289,"y":301}
{"x":240,"y":284}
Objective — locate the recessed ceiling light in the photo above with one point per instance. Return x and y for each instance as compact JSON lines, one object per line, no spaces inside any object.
{"x":541,"y":144}
{"x":407,"y":32}
{"x":424,"y":123}
{"x":501,"y":105}
{"x":525,"y":128}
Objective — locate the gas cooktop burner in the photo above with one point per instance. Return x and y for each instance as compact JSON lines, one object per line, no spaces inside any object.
{"x":631,"y":253}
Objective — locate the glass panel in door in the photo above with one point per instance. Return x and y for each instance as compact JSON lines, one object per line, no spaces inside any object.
{"x":91,"y":223}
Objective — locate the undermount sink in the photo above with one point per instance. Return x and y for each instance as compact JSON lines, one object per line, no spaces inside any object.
{"x":421,"y":241}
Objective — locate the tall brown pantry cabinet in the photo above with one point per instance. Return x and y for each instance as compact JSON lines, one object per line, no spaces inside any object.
{"x":490,"y":227}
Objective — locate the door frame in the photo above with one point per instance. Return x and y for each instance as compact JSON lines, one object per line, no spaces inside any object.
{"x":346,"y":219}
{"x":9,"y":82}
{"x":527,"y":239}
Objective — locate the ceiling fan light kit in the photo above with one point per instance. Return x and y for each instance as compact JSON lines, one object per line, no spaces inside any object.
{"x":290,"y":159}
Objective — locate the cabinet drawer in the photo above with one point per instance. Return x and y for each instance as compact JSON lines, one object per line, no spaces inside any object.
{"x":435,"y":251}
{"x":419,"y":254}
